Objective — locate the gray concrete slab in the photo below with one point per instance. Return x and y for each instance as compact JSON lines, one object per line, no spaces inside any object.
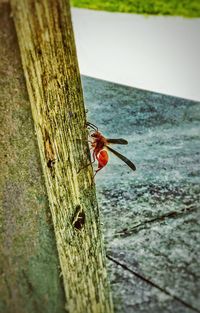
{"x":151,"y":216}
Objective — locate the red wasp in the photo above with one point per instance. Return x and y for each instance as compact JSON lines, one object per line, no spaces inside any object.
{"x":100,"y":144}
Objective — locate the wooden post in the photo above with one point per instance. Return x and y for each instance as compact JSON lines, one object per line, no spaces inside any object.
{"x":49,"y":60}
{"x":29,"y":264}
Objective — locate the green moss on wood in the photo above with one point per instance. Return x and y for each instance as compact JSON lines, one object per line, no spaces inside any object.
{"x":29,"y":266}
{"x":53,"y":81}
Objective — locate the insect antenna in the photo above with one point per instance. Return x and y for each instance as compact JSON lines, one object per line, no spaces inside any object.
{"x":94,"y":127}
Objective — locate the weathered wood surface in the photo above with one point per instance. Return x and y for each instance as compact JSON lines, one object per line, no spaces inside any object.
{"x":29,"y":266}
{"x":152,"y":216}
{"x":50,"y":65}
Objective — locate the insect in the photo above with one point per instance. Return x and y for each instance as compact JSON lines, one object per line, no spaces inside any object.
{"x":100,"y":145}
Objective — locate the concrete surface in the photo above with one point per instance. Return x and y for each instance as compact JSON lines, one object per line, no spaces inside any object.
{"x":151,"y":216}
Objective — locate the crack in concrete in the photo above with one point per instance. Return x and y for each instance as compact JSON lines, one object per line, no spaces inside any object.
{"x":173,"y":214}
{"x":148,"y":281}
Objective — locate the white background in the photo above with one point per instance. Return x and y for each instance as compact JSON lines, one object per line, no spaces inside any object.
{"x":155,"y":53}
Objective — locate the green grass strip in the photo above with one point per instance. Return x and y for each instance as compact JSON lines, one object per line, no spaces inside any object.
{"x":186,"y":8}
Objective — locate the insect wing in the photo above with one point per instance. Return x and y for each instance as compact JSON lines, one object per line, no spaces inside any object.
{"x":119,"y":141}
{"x":123,"y":158}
